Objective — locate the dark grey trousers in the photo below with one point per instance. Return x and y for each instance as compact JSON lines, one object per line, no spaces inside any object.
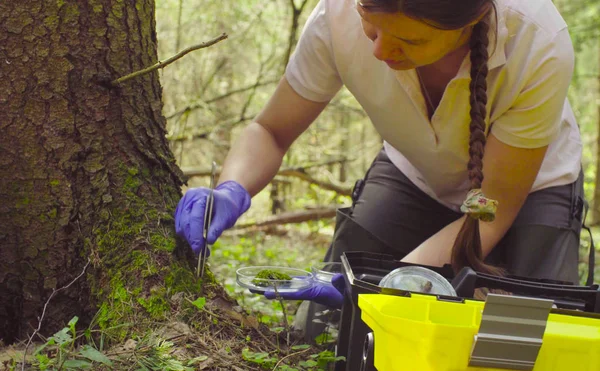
{"x":391,"y":215}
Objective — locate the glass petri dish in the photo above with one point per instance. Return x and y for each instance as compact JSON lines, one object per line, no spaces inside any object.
{"x":418,"y":279}
{"x":299,"y":279}
{"x":324,"y":271}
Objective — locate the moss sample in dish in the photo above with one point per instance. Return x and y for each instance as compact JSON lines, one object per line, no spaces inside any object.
{"x":267,"y":274}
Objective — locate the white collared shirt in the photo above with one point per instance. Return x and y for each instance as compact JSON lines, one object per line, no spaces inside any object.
{"x":530,"y":68}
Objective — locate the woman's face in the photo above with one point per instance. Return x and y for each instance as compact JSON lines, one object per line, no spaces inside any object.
{"x":405,"y":43}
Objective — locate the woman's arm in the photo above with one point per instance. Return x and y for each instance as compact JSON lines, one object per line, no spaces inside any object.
{"x":255,"y":157}
{"x":509,"y":173}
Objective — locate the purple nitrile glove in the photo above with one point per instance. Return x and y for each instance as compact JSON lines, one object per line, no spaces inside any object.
{"x":330,"y":295}
{"x":231,"y":200}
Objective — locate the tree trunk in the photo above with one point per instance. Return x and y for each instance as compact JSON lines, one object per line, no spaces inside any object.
{"x":85,"y":171}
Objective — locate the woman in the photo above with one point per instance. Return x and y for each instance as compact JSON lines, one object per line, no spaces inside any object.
{"x":481,"y":159}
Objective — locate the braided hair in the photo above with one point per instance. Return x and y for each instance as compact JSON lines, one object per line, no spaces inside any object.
{"x":467,"y":250}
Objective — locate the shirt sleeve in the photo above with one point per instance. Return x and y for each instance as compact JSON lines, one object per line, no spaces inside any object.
{"x":311,"y":71}
{"x":535,"y":117}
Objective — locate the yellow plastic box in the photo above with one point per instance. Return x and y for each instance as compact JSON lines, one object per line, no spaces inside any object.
{"x":421,"y":333}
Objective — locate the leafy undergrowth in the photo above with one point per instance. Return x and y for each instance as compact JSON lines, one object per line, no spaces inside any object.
{"x":202,"y":333}
{"x":174,"y":346}
{"x":282,"y":246}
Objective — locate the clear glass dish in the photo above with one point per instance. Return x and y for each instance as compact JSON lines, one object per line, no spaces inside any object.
{"x":418,"y":279}
{"x":324,"y":271}
{"x":299,"y":279}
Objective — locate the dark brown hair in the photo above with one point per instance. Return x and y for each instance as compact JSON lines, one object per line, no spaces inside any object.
{"x":448,"y":15}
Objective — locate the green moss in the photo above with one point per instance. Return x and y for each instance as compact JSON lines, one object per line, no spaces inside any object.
{"x":117,"y":309}
{"x":117,"y":10}
{"x":49,"y":215}
{"x":54,"y":183}
{"x":60,"y":3}
{"x":142,"y":262}
{"x":161,"y":242}
{"x":104,"y":214}
{"x":267,"y":274}
{"x":71,"y":11}
{"x":156,"y":306}
{"x":132,"y":183}
{"x":23,"y":202}
{"x":135,"y":250}
{"x":179,"y":279}
{"x":139,"y":258}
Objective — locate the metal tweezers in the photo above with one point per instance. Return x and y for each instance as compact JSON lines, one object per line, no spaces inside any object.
{"x":207,"y":219}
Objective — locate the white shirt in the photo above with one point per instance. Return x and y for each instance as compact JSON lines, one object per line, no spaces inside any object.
{"x":530,"y":69}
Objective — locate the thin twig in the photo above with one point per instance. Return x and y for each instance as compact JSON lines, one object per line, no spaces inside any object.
{"x":158,"y":65}
{"x":285,"y":321}
{"x":44,"y":312}
{"x":265,"y":338}
{"x":288,"y":356}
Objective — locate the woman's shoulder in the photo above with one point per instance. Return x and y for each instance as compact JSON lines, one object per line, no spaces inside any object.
{"x":539,"y":16}
{"x":534,"y":32}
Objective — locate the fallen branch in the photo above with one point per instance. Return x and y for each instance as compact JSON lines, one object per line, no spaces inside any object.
{"x":296,"y":172}
{"x":292,"y":217}
{"x":288,"y":356}
{"x":160,"y":64}
{"x":44,"y":313}
{"x":337,"y":188}
{"x":199,"y":172}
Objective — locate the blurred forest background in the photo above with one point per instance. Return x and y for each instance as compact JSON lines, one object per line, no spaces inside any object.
{"x":209,"y":95}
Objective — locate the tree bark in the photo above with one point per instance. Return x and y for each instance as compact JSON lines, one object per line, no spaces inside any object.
{"x":86,"y":171}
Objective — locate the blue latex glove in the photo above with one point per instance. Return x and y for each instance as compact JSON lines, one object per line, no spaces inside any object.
{"x":330,"y":295}
{"x":231,"y":200}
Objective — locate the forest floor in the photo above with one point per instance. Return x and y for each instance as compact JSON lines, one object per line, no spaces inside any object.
{"x":251,"y":335}
{"x":259,"y":343}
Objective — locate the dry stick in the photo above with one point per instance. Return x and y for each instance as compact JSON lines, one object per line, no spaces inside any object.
{"x":224,"y":320}
{"x":44,"y":312}
{"x":158,"y":65}
{"x":285,"y":321}
{"x":288,"y":356}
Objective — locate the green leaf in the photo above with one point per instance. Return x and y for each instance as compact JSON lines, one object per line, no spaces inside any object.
{"x":73,"y":322}
{"x":301,"y":347}
{"x":94,"y":355}
{"x":199,"y":359}
{"x":308,"y":363}
{"x":286,"y":368}
{"x":200,"y":303}
{"x":62,"y":337}
{"x":76,"y":364}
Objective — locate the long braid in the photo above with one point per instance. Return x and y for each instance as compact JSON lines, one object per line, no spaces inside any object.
{"x":467,"y":249}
